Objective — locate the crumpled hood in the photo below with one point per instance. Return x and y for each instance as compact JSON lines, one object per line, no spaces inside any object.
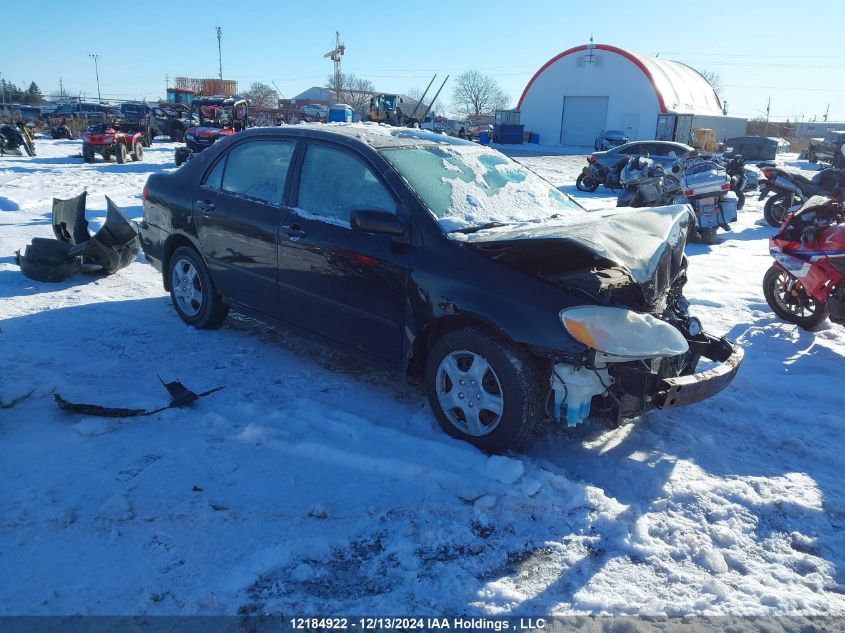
{"x":648,"y":243}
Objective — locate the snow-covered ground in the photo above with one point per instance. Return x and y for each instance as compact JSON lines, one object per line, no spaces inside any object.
{"x":312,"y":484}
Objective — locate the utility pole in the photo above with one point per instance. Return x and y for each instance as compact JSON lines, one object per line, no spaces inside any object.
{"x":826,"y":112}
{"x":220,"y":54}
{"x":768,"y":108}
{"x":95,"y":57}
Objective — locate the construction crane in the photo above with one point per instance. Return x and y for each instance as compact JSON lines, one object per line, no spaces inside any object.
{"x":335,"y":55}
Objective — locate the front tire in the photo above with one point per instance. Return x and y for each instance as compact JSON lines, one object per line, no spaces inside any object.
{"x":483,"y":389}
{"x":138,"y":151}
{"x":192,"y":291}
{"x":87,"y":153}
{"x":776,"y":209}
{"x":585,"y":183}
{"x":788,"y":299}
{"x":120,"y":153}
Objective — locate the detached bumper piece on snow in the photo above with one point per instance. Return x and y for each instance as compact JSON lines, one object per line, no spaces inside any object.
{"x":180,"y":396}
{"x":113,"y":247}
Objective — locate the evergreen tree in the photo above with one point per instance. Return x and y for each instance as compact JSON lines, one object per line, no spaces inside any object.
{"x":33,"y":94}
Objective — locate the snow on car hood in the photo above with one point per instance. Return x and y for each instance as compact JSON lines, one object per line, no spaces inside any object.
{"x":643,"y":241}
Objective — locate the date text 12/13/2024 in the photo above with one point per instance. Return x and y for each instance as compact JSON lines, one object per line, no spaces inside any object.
{"x":414,"y":623}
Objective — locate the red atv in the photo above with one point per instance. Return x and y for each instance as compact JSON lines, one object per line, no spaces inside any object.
{"x":212,"y":118}
{"x":109,"y":140}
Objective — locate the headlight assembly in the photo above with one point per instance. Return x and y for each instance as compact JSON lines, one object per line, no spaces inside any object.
{"x":621,"y":332}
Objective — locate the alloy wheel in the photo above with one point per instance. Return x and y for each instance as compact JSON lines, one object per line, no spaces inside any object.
{"x":187,"y":287}
{"x":470,"y":393}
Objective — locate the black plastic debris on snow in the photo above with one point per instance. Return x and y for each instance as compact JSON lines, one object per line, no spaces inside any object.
{"x":113,"y":247}
{"x":180,"y":396}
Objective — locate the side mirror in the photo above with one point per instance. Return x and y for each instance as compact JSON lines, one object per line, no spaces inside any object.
{"x":377,"y":221}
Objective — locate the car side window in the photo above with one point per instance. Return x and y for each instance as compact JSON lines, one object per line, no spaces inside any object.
{"x":334,"y":182}
{"x":214,"y":179}
{"x":258,"y":169}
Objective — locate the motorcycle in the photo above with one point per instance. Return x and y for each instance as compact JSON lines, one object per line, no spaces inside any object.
{"x":707,"y":188}
{"x":13,"y":137}
{"x":595,"y":174}
{"x":792,"y":190}
{"x":646,"y":184}
{"x":806,"y":283}
{"x":735,"y":168}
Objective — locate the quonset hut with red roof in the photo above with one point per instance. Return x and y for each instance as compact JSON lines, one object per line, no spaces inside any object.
{"x":595,"y":87}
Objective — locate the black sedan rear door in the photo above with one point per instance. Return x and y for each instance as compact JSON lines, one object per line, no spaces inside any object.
{"x":238,"y":208}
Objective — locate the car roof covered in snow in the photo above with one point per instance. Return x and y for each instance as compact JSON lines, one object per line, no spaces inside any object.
{"x":376,"y":135}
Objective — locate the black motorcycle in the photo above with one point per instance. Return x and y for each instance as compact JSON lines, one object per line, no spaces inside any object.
{"x":792,"y":190}
{"x":595,"y":174}
{"x":15,"y":137}
{"x":735,"y":168}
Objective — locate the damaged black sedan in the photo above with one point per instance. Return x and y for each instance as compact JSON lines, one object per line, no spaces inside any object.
{"x":472,"y":274}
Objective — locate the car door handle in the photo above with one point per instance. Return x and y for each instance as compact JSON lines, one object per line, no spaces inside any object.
{"x":294,"y":231}
{"x":205,"y":207}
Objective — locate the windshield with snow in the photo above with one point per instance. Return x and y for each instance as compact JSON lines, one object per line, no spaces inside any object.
{"x":471,"y":187}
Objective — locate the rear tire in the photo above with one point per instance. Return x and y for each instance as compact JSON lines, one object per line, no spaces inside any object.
{"x":138,"y":152}
{"x":87,"y":153}
{"x":585,"y":183}
{"x":786,"y":305}
{"x":120,"y":153}
{"x":192,"y":291}
{"x":776,"y":208}
{"x":707,"y":236}
{"x":495,"y":373}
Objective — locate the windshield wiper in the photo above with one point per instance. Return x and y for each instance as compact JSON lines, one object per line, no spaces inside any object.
{"x":475,"y":229}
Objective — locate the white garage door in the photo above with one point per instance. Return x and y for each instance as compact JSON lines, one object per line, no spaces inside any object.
{"x":583,"y":120}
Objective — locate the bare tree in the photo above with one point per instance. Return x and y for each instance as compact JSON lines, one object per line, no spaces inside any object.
{"x":262,"y":96}
{"x":476,"y":94}
{"x":352,"y":90}
{"x":714,"y":79}
{"x":416,"y":94}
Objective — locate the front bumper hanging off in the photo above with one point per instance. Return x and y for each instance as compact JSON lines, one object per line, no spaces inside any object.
{"x":683,"y":390}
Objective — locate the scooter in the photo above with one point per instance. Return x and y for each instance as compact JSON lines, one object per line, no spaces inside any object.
{"x":806,"y":283}
{"x":792,"y":190}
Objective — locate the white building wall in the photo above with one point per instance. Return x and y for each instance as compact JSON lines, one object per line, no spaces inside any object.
{"x":628,"y":90}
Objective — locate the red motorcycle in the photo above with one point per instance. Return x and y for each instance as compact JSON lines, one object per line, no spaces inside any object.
{"x":806,"y":283}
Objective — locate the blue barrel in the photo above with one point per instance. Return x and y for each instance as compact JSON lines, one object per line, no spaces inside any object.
{"x":484,"y":138}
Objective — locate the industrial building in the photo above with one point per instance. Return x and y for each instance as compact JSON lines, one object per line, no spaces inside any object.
{"x":594,"y":87}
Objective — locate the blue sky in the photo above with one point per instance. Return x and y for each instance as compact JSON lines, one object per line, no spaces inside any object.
{"x":759,"y":49}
